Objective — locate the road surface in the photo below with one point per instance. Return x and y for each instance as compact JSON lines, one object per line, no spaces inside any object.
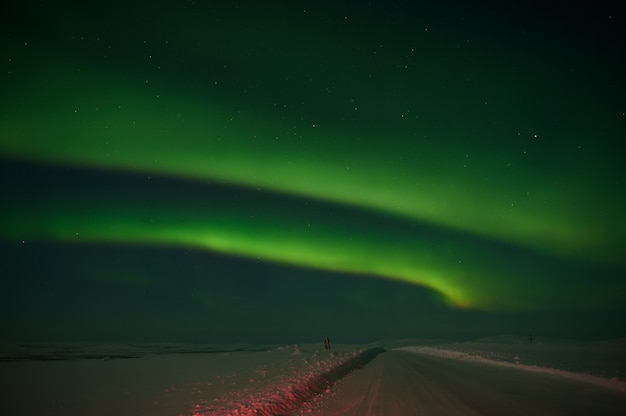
{"x":404,"y":383}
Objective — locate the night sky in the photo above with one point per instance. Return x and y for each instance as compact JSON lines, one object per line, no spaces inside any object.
{"x":226,"y":171}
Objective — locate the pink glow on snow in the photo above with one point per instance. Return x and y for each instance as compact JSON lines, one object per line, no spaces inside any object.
{"x":284,"y":397}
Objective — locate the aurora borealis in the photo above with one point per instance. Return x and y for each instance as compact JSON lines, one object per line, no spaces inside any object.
{"x":371,"y":169}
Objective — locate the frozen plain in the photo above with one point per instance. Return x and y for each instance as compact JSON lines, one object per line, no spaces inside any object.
{"x":494,"y":376}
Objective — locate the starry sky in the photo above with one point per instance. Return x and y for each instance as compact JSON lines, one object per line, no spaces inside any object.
{"x":199,"y":171}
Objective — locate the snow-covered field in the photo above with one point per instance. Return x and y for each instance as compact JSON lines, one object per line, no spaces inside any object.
{"x":168,"y":379}
{"x":412,"y":377}
{"x":606,"y":359}
{"x":602,"y":363}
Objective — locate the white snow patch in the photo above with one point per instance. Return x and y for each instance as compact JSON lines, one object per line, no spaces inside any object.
{"x":442,"y":352}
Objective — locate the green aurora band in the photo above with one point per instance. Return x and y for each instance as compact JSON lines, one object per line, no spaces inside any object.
{"x":489,"y":162}
{"x":127,"y":130}
{"x":466,"y":271}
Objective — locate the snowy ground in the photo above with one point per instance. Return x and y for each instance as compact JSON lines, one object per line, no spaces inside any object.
{"x":499,"y":375}
{"x":408,"y":382}
{"x":606,"y":359}
{"x":167,"y":380}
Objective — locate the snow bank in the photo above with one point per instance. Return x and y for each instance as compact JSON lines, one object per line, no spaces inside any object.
{"x":285,"y":395}
{"x":172,"y":380}
{"x":479,"y":356}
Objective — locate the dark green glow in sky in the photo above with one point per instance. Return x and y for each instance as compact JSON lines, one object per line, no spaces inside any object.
{"x":470,"y":153}
{"x":467,"y":270}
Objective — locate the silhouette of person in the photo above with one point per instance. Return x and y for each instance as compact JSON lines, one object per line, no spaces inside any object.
{"x":327,"y":344}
